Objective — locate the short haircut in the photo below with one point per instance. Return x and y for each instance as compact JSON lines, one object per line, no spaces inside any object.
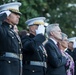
{"x":63,"y":35}
{"x":50,"y":28}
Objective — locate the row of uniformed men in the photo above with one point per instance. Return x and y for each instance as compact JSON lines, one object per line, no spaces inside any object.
{"x":34,"y":53}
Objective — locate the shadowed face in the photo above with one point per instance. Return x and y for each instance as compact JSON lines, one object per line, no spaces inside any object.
{"x":33,"y":29}
{"x":16,"y":29}
{"x":13,"y":19}
{"x":70,"y":45}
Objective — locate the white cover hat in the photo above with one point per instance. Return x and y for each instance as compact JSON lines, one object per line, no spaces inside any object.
{"x":36,"y":21}
{"x":13,"y":7}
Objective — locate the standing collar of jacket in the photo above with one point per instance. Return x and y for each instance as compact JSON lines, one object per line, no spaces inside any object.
{"x":70,"y":50}
{"x":31,"y":35}
{"x":8,"y":25}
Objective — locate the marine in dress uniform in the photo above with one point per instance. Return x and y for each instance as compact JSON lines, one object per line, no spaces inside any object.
{"x":10,"y":43}
{"x":34,"y":53}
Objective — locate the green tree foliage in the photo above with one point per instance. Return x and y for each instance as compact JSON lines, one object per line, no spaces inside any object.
{"x":55,"y":11}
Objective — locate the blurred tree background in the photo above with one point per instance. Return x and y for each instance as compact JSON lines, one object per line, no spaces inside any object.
{"x":55,"y":11}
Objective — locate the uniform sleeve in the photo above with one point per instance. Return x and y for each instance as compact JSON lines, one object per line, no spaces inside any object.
{"x":40,"y":38}
{"x":30,"y":44}
{"x":74,"y":54}
{"x":54,"y":59}
{"x":3,"y":16}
